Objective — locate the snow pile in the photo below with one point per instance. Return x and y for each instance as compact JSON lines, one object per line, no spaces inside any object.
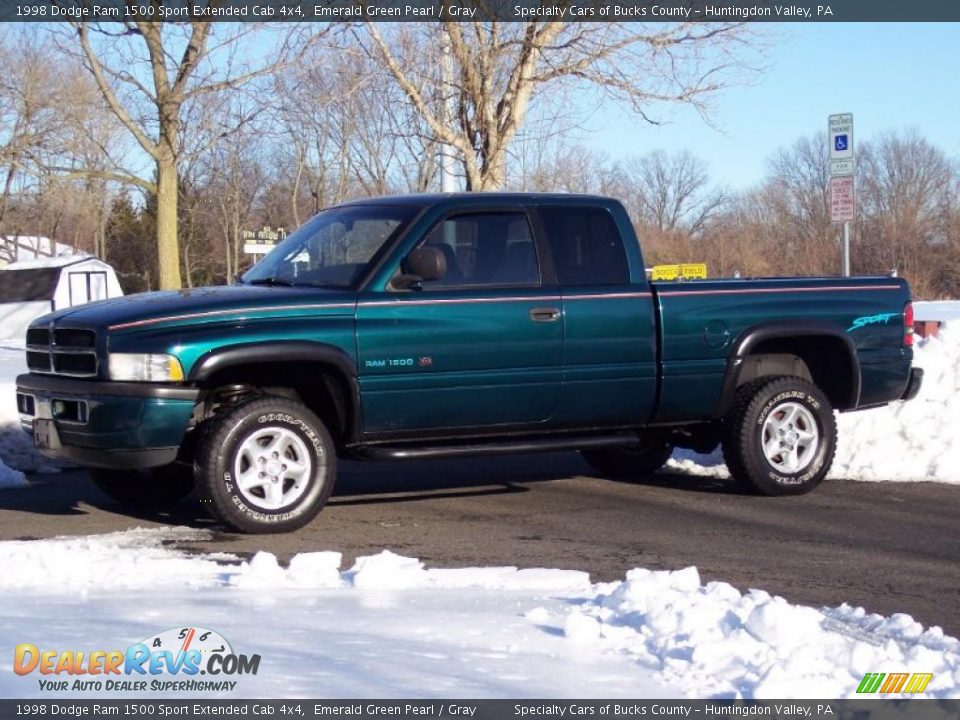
{"x":389,"y":571}
{"x":389,"y":625}
{"x":122,"y":560}
{"x":386,"y":628}
{"x":31,"y":247}
{"x":916,"y":440}
{"x":717,"y":642}
{"x":60,"y":261}
{"x":910,"y":441}
{"x":689,"y":462}
{"x":942,"y":310}
{"x":15,"y":447}
{"x":306,"y":570}
{"x":17,"y":453}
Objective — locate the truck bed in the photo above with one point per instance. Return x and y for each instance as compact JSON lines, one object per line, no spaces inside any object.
{"x":702,"y":321}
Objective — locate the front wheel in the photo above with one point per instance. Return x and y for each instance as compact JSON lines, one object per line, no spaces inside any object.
{"x":155,"y":487}
{"x":265,"y":466}
{"x":781,"y":436}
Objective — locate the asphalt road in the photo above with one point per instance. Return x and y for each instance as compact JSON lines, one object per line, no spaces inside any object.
{"x":890,"y":547}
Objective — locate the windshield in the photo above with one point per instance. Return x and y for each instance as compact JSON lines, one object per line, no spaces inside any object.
{"x":333,"y":249}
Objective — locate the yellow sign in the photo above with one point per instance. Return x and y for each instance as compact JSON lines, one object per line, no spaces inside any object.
{"x":684,"y":271}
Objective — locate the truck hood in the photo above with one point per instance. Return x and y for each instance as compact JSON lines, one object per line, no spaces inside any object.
{"x":179,"y":307}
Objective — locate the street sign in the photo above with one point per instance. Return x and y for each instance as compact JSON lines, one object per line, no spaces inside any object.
{"x":841,"y":136}
{"x":258,"y":248}
{"x":684,"y":271}
{"x":842,"y":207}
{"x":260,"y":242}
{"x":841,"y":167}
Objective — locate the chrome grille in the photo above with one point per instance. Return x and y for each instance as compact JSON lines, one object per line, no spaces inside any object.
{"x":62,"y":351}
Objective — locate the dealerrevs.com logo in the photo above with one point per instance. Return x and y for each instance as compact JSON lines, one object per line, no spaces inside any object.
{"x":171,"y":661}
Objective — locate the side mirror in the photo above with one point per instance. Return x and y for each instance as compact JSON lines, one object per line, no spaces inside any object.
{"x":424,"y":263}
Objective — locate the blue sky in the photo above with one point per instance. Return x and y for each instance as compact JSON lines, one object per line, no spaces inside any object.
{"x":889,"y":75}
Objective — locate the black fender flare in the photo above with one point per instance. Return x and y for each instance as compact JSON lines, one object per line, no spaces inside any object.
{"x":284,"y":351}
{"x":742,"y":347}
{"x":260,"y":352}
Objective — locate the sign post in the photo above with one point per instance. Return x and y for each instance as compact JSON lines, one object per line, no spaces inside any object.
{"x":843,"y":207}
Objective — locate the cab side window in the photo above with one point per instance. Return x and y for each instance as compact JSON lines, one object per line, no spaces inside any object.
{"x":587,"y":247}
{"x":485,"y":249}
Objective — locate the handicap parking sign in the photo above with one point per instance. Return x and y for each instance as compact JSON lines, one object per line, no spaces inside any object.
{"x":840,"y":127}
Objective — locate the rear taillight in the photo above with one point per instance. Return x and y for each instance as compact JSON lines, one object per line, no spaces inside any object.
{"x":908,"y":324}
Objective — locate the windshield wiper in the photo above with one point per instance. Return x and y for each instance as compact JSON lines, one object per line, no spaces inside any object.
{"x":272,"y":281}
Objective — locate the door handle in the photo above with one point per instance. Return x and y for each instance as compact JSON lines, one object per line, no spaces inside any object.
{"x":545,"y":314}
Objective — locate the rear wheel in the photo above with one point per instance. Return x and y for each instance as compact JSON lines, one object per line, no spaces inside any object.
{"x":155,"y":487}
{"x":630,"y":463}
{"x":781,"y":436}
{"x":265,"y":466}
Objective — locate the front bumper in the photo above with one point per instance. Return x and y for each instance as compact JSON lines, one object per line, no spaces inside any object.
{"x":114,"y":425}
{"x":913,"y":384}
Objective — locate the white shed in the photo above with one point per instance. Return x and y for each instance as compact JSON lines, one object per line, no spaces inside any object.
{"x":31,"y":288}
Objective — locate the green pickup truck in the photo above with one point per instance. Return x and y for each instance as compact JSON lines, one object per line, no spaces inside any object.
{"x":431,"y":326}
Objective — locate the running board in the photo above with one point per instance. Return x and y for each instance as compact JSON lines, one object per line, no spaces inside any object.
{"x":410,"y":451}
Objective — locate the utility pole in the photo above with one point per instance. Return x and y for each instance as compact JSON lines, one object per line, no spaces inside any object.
{"x":448,"y":181}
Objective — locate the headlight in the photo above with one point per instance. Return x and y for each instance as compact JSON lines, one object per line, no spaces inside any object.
{"x":145,"y":368}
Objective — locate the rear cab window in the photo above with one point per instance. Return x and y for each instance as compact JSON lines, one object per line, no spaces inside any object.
{"x":586,"y":245}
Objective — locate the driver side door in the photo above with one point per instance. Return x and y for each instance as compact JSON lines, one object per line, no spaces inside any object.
{"x":474,"y":351}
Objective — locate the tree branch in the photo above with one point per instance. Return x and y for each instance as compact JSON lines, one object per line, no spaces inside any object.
{"x":64,"y":174}
{"x":96,"y":69}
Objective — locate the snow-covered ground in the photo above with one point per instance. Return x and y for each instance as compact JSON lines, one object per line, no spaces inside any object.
{"x":388,"y":627}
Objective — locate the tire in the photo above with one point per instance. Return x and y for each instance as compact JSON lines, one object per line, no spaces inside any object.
{"x":632,"y":463}
{"x":156,"y":487}
{"x":265,"y":466}
{"x":781,"y":436}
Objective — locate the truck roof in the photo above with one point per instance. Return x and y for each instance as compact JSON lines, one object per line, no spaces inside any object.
{"x":485,"y":198}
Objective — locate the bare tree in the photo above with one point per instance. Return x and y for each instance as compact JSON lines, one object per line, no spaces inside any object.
{"x":49,"y":116}
{"x":235,"y":175}
{"x":35,"y":90}
{"x":502,"y":69}
{"x":150,"y":73}
{"x":350,"y":132}
{"x":670,"y":193}
{"x":908,"y":194}
{"x":743,"y":239}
